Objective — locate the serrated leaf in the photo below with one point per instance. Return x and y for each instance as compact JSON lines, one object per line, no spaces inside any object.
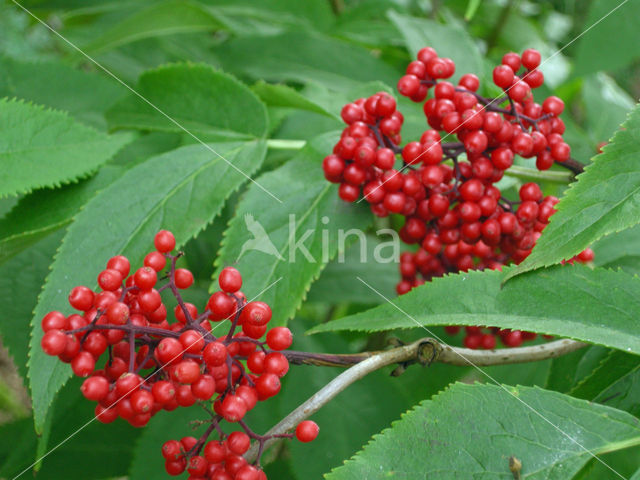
{"x":620,"y":250}
{"x":44,"y":211}
{"x":274,"y":238}
{"x":85,"y":95}
{"x":604,"y":199}
{"x":46,"y":148}
{"x":611,"y":28}
{"x":340,"y":440}
{"x":611,"y":370}
{"x":182,"y":190}
{"x":159,"y":19}
{"x":20,"y":280}
{"x":470,"y":431}
{"x":305,"y":57}
{"x":448,"y":40}
{"x":280,"y":95}
{"x":197,"y":98}
{"x":568,"y":370}
{"x":597,"y":306}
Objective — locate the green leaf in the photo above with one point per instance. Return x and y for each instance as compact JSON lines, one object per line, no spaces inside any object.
{"x":612,"y":28}
{"x":197,"y":98}
{"x":610,"y":371}
{"x":604,"y":199}
{"x":606,"y":105}
{"x":336,"y":283}
{"x":568,"y":370}
{"x":597,"y":306}
{"x":291,"y":235}
{"x":472,"y":8}
{"x":341,"y":439}
{"x":305,"y":57}
{"x":470,"y":431}
{"x":448,"y":40}
{"x":44,"y":211}
{"x":182,"y":190}
{"x":45,"y":148}
{"x":163,"y":18}
{"x":85,"y":448}
{"x":621,"y":249}
{"x":284,"y":96}
{"x":85,"y":95}
{"x":20,"y":280}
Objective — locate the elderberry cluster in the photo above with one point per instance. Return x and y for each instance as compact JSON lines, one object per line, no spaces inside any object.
{"x":152,"y":364}
{"x":454,"y":212}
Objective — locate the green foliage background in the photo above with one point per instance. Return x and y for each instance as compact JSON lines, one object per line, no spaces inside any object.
{"x":88,"y":169}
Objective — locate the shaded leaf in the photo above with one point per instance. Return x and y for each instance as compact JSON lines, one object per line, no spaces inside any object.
{"x":280,"y":95}
{"x":612,"y":28}
{"x":46,"y":148}
{"x":197,"y":98}
{"x":597,"y":306}
{"x":289,"y":243}
{"x":159,"y":19}
{"x":305,"y":57}
{"x":550,"y":433}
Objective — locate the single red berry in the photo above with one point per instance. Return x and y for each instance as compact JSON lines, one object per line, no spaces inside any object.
{"x":192,"y":341}
{"x":230,"y":280}
{"x":553,"y":106}
{"x":142,"y":401}
{"x":145,"y":278}
{"x":155,"y":260}
{"x":503,"y":76}
{"x":215,"y":354}
{"x":238,"y":443}
{"x":164,"y":241}
{"x":186,"y":371}
{"x":530,"y":58}
{"x":255,"y":313}
{"x":307,"y":431}
{"x":120,"y":263}
{"x":233,"y":408}
{"x":267,"y":385}
{"x":279,"y":338}
{"x":53,"y":342}
{"x":95,"y":388}
{"x":83,"y":364}
{"x":81,"y":298}
{"x":204,"y":387}
{"x":276,"y":363}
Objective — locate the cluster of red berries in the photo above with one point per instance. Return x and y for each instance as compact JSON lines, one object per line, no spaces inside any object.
{"x":453,"y":210}
{"x":151,"y":364}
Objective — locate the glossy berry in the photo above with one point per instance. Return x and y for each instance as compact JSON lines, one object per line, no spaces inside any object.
{"x":307,"y":431}
{"x":164,"y":241}
{"x":230,"y":280}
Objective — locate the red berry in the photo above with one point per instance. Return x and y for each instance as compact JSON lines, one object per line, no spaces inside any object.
{"x":145,"y":278}
{"x":164,"y":241}
{"x":155,"y":260}
{"x":530,"y":58}
{"x":230,"y":280}
{"x":110,"y":279}
{"x":81,"y":298}
{"x":279,"y":338}
{"x":120,"y":263}
{"x":83,"y":364}
{"x":53,"y":342}
{"x":255,"y":313}
{"x":307,"y":431}
{"x":503,"y":76}
{"x":233,"y":408}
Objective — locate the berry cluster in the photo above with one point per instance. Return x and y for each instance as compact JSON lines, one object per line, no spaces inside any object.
{"x":151,"y":364}
{"x":453,"y":210}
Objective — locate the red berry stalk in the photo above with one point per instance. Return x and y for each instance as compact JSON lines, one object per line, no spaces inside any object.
{"x":151,"y":364}
{"x":454,"y":212}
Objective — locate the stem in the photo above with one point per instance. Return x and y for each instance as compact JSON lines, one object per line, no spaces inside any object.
{"x":572,"y":164}
{"x":535,"y":174}
{"x":416,"y":351}
{"x":284,"y":144}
